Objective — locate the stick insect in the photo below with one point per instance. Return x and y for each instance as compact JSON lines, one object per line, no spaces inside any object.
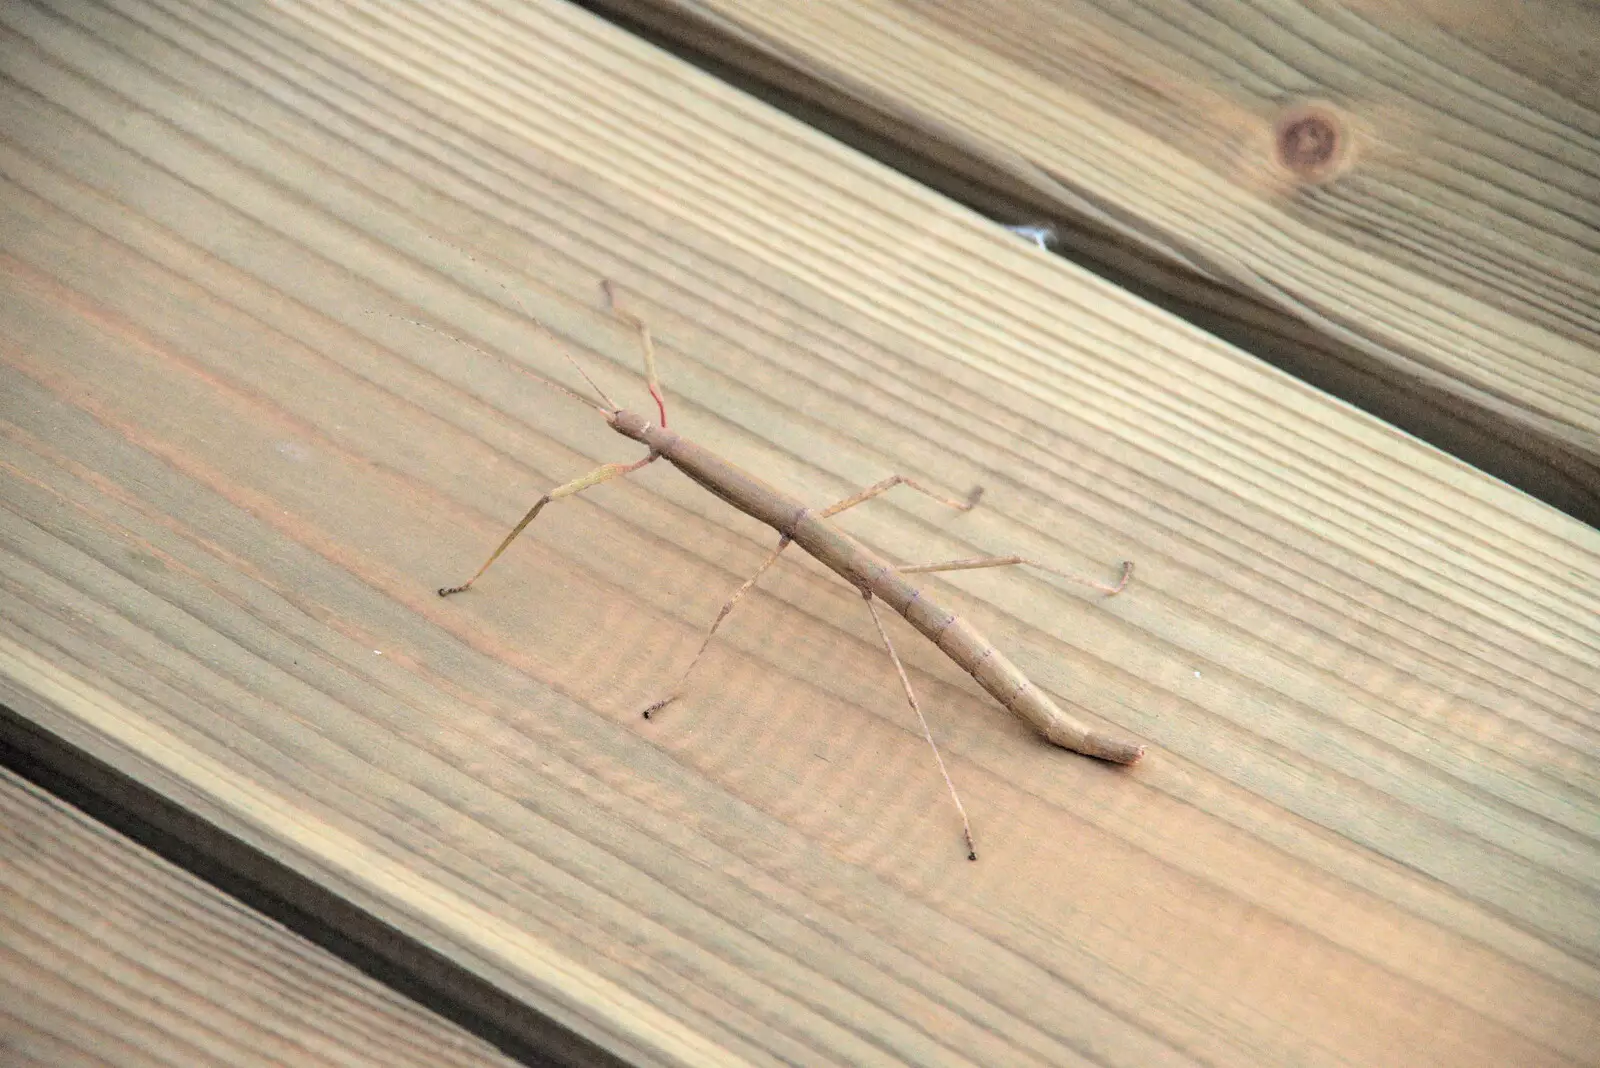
{"x":876,"y":578}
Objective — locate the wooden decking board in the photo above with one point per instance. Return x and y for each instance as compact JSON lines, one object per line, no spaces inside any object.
{"x":232,"y":474}
{"x":1447,"y":275}
{"x":111,"y":955}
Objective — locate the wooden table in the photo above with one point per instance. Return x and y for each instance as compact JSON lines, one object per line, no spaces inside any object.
{"x":233,"y":471}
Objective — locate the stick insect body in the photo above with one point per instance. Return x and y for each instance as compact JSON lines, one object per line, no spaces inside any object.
{"x":875,"y":577}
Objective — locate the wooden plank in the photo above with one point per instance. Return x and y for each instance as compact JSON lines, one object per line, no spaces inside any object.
{"x":114,"y":956}
{"x":1440,"y":269}
{"x":233,"y":476}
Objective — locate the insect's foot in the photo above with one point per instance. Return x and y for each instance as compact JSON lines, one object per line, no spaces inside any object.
{"x":1122,"y":583}
{"x":445,"y":591}
{"x":973,"y":498}
{"x":658,"y":706}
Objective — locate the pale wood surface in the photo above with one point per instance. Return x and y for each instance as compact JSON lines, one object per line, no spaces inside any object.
{"x":232,"y":477}
{"x":110,"y":955}
{"x":1447,"y":276}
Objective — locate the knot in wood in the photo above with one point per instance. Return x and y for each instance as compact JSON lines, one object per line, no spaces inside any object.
{"x":1312,"y":142}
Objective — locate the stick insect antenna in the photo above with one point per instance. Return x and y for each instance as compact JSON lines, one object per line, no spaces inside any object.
{"x":612,"y":406}
{"x":579,"y":368}
{"x":543,"y":381}
{"x":651,"y":379}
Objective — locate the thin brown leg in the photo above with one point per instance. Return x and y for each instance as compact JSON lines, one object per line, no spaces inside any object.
{"x":1004,"y":561}
{"x":976,"y":561}
{"x":652,"y":380}
{"x":677,"y":691}
{"x":927,"y":732}
{"x":901,"y":480}
{"x":603,"y":473}
{"x":848,"y":502}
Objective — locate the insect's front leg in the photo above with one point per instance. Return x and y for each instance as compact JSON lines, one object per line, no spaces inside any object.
{"x":603,"y":473}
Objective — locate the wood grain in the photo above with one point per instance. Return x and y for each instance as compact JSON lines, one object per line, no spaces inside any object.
{"x":233,"y":475}
{"x":113,"y":956}
{"x":1442,"y":273}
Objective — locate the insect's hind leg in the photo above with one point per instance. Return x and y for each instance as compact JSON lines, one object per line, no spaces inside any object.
{"x":927,"y":732}
{"x":976,"y":561}
{"x":738,"y":594}
{"x":603,"y":473}
{"x":905,"y":681}
{"x":783,"y":543}
{"x":1005,"y":561}
{"x":903,"y":480}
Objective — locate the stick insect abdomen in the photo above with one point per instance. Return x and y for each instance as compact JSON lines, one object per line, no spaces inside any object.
{"x":989,"y":667}
{"x":875,"y":576}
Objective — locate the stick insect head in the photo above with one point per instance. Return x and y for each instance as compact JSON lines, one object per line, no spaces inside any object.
{"x":630,"y":425}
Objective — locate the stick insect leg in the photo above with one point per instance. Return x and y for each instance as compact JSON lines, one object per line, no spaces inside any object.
{"x":927,"y":732}
{"x":901,"y":480}
{"x":849,"y":502}
{"x":975,"y":561}
{"x":603,"y":473}
{"x":677,"y":691}
{"x":1005,"y":561}
{"x":646,"y":343}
